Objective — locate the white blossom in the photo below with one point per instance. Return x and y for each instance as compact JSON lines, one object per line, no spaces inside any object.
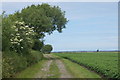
{"x":26,"y":33}
{"x":26,"y":26}
{"x":16,"y":29}
{"x":21,"y":22}
{"x":11,"y":40}
{"x":16,"y":22}
{"x":17,"y":34}
{"x":14,"y":42}
{"x":16,"y":39}
{"x":31,"y":30}
{"x":12,"y":34}
{"x":21,"y":40}
{"x":18,"y":43}
{"x":14,"y":26}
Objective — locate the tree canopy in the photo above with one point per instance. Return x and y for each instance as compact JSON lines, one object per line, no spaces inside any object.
{"x":44,"y":18}
{"x":41,"y":19}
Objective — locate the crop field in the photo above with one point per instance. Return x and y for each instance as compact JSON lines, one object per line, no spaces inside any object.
{"x":104,"y":63}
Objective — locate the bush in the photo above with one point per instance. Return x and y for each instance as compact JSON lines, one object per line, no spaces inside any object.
{"x":47,"y":49}
{"x":22,"y":40}
{"x":6,"y":33}
{"x":34,"y":57}
{"x":12,"y":63}
{"x":38,"y":45}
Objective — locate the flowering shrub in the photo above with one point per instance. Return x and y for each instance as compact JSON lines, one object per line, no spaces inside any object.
{"x":22,"y":38}
{"x":17,"y":39}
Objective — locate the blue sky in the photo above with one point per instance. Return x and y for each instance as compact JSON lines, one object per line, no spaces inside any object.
{"x":91,"y":26}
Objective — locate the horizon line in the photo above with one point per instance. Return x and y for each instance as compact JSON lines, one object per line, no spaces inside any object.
{"x":88,"y":51}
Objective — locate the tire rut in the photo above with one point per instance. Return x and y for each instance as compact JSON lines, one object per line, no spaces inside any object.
{"x":62,"y":69}
{"x":44,"y":71}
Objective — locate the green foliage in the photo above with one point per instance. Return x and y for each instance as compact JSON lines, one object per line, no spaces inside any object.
{"x":6,"y":33}
{"x":44,"y":18}
{"x":101,"y":62}
{"x":0,"y":46}
{"x":21,"y":32}
{"x":34,"y":57}
{"x":12,"y":63}
{"x":47,"y":48}
{"x":38,"y":45}
{"x":16,"y":36}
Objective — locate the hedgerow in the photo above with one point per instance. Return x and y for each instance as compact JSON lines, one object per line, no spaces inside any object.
{"x":12,"y":63}
{"x":23,"y":31}
{"x":17,"y":44}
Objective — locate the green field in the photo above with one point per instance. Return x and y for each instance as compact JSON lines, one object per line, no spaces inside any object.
{"x":104,"y":63}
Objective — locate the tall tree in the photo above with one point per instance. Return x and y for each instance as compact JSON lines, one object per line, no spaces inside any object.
{"x":44,"y":18}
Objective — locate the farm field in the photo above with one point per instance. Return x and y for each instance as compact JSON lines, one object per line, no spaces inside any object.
{"x":104,"y":63}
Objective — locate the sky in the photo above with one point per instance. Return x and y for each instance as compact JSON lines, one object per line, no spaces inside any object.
{"x":91,"y":26}
{"x":60,"y":0}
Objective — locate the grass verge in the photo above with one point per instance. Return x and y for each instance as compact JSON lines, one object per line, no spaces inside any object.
{"x":79,"y":71}
{"x":31,"y":71}
{"x":54,"y":71}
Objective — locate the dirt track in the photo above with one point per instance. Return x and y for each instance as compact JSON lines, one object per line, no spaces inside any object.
{"x":44,"y":71}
